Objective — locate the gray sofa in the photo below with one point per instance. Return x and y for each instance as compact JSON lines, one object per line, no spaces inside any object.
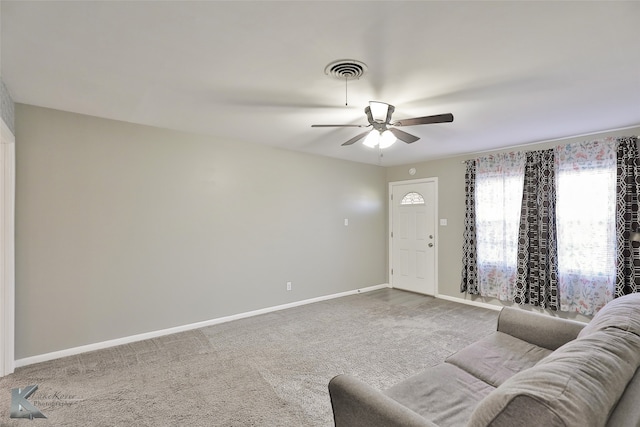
{"x":535,"y":370}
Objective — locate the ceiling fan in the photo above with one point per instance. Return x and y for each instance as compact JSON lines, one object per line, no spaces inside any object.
{"x":385,"y":132}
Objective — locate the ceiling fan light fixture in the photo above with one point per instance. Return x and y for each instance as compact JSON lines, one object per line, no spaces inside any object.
{"x":383,"y":140}
{"x":387,"y":139}
{"x":372,"y":139}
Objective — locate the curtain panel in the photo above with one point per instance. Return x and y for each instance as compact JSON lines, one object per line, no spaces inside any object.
{"x":499,"y":183}
{"x":627,"y":216}
{"x":537,"y":271}
{"x":469,"y":248}
{"x":585,"y":217}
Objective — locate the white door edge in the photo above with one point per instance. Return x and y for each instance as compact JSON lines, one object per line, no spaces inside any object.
{"x":7,"y":254}
{"x":390,"y":227}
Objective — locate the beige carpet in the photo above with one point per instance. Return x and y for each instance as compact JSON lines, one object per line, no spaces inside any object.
{"x":269,"y":370}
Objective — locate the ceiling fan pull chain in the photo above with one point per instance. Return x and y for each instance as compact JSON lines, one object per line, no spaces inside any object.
{"x":346,"y":83}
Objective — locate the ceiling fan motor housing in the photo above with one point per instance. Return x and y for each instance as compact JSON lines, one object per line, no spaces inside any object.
{"x":381,"y":109}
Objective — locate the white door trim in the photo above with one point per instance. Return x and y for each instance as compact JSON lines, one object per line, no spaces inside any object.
{"x":390,"y":226}
{"x":7,"y":249}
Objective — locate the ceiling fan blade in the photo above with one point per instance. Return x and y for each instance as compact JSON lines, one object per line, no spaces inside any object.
{"x":356,"y":138}
{"x":438,"y":118}
{"x":403,"y":136}
{"x":339,"y":126}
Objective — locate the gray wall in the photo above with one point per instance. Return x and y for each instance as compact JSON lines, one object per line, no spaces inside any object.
{"x":123,"y":229}
{"x":6,"y":107}
{"x":450,"y":173}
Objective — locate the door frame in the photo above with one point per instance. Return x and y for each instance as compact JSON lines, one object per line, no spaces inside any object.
{"x":437,"y":230}
{"x":7,"y":249}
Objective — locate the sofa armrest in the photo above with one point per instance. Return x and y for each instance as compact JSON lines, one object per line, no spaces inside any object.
{"x":536,"y":328}
{"x":355,"y":404}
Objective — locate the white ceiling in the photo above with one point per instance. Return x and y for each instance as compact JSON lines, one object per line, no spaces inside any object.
{"x":510,"y":72}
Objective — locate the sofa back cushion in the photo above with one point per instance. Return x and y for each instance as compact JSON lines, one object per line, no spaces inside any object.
{"x":578,"y":384}
{"x":621,"y":313}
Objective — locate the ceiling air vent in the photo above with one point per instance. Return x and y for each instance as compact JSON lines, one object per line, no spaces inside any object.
{"x":346,"y":69}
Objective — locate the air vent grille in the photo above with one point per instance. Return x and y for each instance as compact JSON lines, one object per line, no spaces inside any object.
{"x":346,"y":69}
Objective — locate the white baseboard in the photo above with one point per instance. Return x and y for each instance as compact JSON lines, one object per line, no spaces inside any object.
{"x":148,"y":335}
{"x":470,"y":302}
{"x":562,"y":315}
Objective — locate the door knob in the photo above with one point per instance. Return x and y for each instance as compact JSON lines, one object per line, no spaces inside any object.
{"x":430,"y":245}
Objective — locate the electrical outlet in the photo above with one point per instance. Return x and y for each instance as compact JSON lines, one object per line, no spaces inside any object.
{"x":288,"y":286}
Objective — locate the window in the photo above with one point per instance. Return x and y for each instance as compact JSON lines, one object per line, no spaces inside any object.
{"x":412,"y":199}
{"x":497,"y":219}
{"x":584,"y":213}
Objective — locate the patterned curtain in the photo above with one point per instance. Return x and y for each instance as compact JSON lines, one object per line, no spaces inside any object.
{"x":627,"y":216}
{"x":537,"y":274}
{"x":469,"y":249}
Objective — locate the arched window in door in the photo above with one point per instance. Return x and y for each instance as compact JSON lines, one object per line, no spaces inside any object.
{"x":412,"y":198}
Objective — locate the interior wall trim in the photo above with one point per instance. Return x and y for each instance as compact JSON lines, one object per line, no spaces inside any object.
{"x":470,"y":302}
{"x":148,"y":335}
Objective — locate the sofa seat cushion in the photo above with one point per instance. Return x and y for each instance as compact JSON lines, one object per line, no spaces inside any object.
{"x":443,"y":394}
{"x":577,"y":385}
{"x":497,"y":357}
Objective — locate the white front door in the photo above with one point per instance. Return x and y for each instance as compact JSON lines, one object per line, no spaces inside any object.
{"x":413,"y":248}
